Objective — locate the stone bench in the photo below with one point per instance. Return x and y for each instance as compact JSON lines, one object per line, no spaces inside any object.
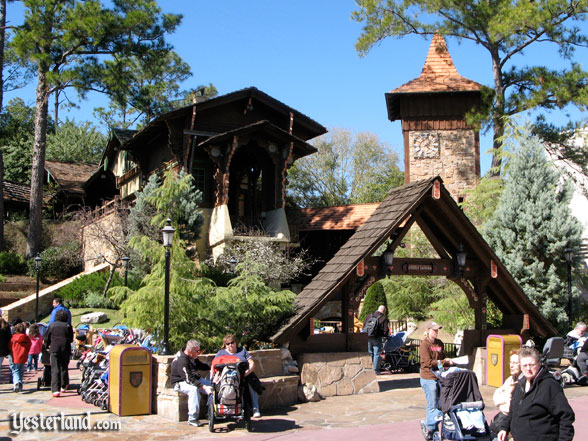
{"x":280,"y":390}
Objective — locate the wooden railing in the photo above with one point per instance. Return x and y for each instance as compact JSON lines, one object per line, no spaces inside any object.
{"x":451,"y":349}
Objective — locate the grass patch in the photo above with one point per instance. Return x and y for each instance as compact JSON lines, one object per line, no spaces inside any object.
{"x":115,"y":317}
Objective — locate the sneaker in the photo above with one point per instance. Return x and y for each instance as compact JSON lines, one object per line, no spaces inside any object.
{"x":194,"y":422}
{"x":56,"y":394}
{"x":256,"y":413}
{"x":15,"y":388}
{"x":20,"y":387}
{"x":426,"y":432}
{"x":62,"y":390}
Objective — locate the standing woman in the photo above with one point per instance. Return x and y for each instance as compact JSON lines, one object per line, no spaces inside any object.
{"x":58,"y":339}
{"x":5,"y":336}
{"x":539,"y":410}
{"x":20,"y":343}
{"x":431,"y":351}
{"x":230,"y":348}
{"x":503,"y":394}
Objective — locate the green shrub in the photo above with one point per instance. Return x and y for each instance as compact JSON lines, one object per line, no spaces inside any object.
{"x":374,"y":297}
{"x":95,"y":299}
{"x":12,"y":263}
{"x":76,"y":292}
{"x":59,"y":262}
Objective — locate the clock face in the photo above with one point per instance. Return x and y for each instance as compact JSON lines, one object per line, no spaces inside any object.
{"x":425,"y":145}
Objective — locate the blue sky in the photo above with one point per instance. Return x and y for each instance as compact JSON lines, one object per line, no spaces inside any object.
{"x":302,"y":53}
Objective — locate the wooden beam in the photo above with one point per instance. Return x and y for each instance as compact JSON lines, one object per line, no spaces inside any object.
{"x":420,"y":267}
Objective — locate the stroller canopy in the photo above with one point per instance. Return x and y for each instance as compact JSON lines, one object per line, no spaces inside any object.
{"x":458,"y":387}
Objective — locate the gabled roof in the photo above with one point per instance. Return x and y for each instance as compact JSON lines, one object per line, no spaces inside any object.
{"x":341,"y":217}
{"x":439,"y":75}
{"x":272,"y":131}
{"x":441,"y":218}
{"x":70,"y":177}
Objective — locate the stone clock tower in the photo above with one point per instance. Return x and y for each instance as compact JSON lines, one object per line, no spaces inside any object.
{"x":432,"y":108}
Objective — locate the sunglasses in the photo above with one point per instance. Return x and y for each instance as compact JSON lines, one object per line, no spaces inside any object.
{"x":231,"y":342}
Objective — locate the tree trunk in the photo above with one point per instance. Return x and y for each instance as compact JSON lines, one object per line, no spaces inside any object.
{"x":1,"y":202}
{"x":37,"y":171}
{"x":498,"y":114}
{"x":56,"y":111}
{"x":109,"y":281}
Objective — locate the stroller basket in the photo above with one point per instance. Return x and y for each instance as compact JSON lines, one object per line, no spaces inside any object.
{"x":472,"y":405}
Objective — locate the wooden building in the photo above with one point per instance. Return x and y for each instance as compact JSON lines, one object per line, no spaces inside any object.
{"x":238,"y":147}
{"x":346,"y":277}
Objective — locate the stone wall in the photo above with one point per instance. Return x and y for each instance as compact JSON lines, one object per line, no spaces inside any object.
{"x":25,"y":308}
{"x":450,"y":154}
{"x":339,"y":373}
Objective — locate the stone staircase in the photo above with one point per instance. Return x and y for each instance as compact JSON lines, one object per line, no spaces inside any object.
{"x":24,"y":308}
{"x":15,"y":289}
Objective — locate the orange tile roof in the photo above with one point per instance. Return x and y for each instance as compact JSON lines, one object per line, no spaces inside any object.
{"x":342,"y":217}
{"x":439,"y":73}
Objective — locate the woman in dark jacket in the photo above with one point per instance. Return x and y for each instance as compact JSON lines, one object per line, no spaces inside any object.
{"x":5,"y":336}
{"x":58,"y":339}
{"x":538,"y":409}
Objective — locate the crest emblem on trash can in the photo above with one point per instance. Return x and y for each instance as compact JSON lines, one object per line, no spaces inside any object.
{"x":136,"y":378}
{"x":494,"y":359}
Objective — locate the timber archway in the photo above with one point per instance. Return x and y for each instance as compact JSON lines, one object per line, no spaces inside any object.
{"x":354,"y":267}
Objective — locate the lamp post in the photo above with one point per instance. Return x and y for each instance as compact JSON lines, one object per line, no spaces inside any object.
{"x":125,"y":260}
{"x":168,"y":236}
{"x":37,"y":270}
{"x":461,"y":257}
{"x":388,"y":258}
{"x":569,"y":254}
{"x":232,"y":265}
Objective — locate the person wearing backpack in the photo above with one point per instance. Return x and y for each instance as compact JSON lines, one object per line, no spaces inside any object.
{"x":185,"y":379}
{"x":376,"y":327}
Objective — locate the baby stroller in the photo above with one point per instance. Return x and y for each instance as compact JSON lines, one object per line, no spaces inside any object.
{"x":396,"y":354}
{"x":462,"y":405}
{"x":230,"y":399}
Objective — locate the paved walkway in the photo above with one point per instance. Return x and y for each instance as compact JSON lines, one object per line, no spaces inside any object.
{"x":392,"y":413}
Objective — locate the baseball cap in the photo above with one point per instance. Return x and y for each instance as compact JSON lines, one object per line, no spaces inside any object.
{"x":434,"y":326}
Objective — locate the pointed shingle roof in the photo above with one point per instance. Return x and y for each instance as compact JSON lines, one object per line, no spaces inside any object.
{"x":439,"y":73}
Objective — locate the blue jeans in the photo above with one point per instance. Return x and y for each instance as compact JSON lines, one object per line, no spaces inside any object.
{"x":33,"y":362}
{"x":17,"y":373}
{"x":375,"y":349}
{"x":432,"y":390}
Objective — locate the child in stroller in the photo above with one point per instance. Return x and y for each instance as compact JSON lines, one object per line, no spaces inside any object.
{"x":396,"y":354}
{"x":462,"y":404}
{"x":230,"y":398}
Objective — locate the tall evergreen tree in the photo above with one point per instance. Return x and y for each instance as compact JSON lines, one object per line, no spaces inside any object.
{"x":531,"y":228}
{"x":66,"y":40}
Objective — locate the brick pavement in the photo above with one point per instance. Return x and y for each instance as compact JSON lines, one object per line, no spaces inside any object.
{"x":393,"y":412}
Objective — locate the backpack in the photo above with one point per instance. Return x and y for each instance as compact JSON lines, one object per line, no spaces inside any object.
{"x":372,"y":326}
{"x":228,"y":385}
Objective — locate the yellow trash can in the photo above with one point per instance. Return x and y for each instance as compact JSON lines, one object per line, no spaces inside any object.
{"x":498,"y":349}
{"x":129,"y":383}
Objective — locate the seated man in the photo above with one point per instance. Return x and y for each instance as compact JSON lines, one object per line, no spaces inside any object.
{"x":575,"y":338}
{"x":186,"y":379}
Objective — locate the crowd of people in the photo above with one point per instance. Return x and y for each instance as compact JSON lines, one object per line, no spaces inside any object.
{"x":25,"y":344}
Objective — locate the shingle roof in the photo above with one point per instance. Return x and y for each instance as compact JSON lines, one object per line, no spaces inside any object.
{"x":439,"y":73}
{"x":16,"y":192}
{"x":342,"y":217}
{"x":384,"y":220}
{"x":70,"y":177}
{"x":450,"y":228}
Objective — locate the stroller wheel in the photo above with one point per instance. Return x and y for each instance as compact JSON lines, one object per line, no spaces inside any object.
{"x":104,"y":405}
{"x":211,"y":416}
{"x":39,"y":383}
{"x":437,"y":436}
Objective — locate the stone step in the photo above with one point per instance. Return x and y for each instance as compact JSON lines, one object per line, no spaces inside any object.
{"x":18,"y":286}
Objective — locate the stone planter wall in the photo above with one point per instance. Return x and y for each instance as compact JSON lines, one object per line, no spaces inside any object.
{"x":339,"y":373}
{"x":280,"y":390}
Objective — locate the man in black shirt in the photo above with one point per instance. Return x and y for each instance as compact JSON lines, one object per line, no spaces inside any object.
{"x":186,"y":379}
{"x":375,"y":341}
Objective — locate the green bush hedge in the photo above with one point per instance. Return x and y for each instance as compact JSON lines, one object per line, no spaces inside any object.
{"x":85,"y":290}
{"x":12,"y":263}
{"x":59,"y":262}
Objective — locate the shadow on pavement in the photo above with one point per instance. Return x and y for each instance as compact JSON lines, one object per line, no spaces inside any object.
{"x":401,"y":383}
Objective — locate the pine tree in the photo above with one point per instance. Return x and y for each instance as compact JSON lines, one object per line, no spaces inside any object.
{"x":531,"y":228}
{"x":374,"y":297}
